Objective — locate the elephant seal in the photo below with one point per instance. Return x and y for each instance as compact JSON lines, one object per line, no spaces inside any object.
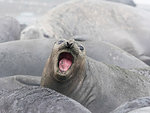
{"x":28,"y":57}
{"x":124,"y":26}
{"x":99,"y":87}
{"x":32,"y":99}
{"x":9,"y":29}
{"x":113,"y":55}
{"x":133,"y":106}
{"x":25,"y":57}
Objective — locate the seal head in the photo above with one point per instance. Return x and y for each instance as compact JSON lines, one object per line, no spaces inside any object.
{"x":67,"y":61}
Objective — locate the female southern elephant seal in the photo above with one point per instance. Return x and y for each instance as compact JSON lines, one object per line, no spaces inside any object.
{"x":99,"y":87}
{"x":31,"y":99}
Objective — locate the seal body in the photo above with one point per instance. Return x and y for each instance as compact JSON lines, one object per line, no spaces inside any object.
{"x":97,"y":86}
{"x":9,"y":29}
{"x":32,"y":99}
{"x":26,"y":57}
{"x":124,"y":26}
{"x":17,"y":81}
{"x":140,"y":105}
{"x":111,"y":54}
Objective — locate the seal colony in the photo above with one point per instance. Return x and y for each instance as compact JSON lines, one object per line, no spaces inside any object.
{"x":124,"y":26}
{"x":28,"y":57}
{"x":99,"y":87}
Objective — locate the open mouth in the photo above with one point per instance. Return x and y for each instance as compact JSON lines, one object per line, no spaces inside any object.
{"x":65,"y":61}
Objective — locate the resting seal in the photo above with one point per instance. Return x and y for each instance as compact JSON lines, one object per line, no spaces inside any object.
{"x":31,"y":99}
{"x":97,"y":86}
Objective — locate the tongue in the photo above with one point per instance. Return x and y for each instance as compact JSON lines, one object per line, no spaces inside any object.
{"x":64,"y":64}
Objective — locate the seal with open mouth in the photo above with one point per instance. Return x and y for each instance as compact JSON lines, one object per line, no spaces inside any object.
{"x":33,"y":99}
{"x":67,"y":59}
{"x":99,"y":87}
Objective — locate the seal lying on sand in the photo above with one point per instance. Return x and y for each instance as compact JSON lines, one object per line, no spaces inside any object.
{"x":32,"y":99}
{"x":99,"y":87}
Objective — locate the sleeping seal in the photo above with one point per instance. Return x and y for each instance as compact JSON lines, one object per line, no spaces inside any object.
{"x":97,"y":86}
{"x":32,"y":99}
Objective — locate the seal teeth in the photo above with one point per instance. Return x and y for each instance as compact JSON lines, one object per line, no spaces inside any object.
{"x":65,"y":61}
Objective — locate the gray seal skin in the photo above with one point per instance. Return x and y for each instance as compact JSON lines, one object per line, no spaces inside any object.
{"x":99,"y":87}
{"x":17,"y":81}
{"x":32,"y":99}
{"x":124,"y":26}
{"x":134,"y":106}
{"x":28,"y":57}
{"x":127,"y":2}
{"x":113,"y":55}
{"x":33,"y":32}
{"x":141,"y":110}
{"x":9,"y":29}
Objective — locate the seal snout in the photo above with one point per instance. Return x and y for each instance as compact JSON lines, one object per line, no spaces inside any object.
{"x":69,"y":44}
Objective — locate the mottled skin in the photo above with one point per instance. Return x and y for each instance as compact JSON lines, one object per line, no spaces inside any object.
{"x":141,"y":110}
{"x":99,"y":87}
{"x":132,"y":105}
{"x":32,"y":99}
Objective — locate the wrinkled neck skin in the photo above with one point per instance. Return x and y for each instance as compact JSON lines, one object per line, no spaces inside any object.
{"x":76,"y":87}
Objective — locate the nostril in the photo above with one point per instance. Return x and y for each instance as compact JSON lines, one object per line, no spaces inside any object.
{"x":69,"y":45}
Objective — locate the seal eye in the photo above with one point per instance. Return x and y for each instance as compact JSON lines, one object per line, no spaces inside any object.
{"x":60,"y":41}
{"x":81,"y":48}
